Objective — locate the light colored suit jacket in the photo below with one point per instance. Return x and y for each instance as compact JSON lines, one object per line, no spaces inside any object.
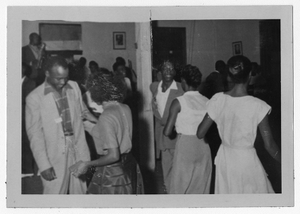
{"x":46,"y":134}
{"x":163,"y":142}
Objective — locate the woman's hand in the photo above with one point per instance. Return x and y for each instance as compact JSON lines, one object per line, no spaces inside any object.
{"x":88,"y":116}
{"x":79,"y":168}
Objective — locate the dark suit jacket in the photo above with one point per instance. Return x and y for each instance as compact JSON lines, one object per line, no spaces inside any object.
{"x":27,"y":86}
{"x":163,"y":142}
{"x":27,"y":55}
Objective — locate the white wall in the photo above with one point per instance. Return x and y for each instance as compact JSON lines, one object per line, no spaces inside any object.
{"x":97,"y":40}
{"x":211,"y":40}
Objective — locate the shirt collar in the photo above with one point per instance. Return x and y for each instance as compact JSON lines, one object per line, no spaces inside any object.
{"x":172,"y":86}
{"x":49,"y":88}
{"x":192,"y":92}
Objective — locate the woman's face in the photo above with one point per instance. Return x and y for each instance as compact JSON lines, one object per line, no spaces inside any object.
{"x":121,"y":69}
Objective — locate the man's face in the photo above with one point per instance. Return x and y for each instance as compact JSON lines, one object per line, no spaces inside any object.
{"x":168,"y":72}
{"x":58,"y":77}
{"x":36,"y":40}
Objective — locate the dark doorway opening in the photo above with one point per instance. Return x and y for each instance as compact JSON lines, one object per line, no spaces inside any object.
{"x":270,"y":59}
{"x":168,"y":43}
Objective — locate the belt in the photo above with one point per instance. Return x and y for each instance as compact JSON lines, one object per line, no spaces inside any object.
{"x":238,"y":147}
{"x":67,"y":134}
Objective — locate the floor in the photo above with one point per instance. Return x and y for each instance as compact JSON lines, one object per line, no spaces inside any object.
{"x":153,"y":182}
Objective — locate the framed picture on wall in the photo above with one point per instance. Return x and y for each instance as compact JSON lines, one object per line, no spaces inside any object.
{"x":237,"y":48}
{"x":119,"y":40}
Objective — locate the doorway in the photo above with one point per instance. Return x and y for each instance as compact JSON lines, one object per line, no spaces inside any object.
{"x":168,"y":43}
{"x":271,"y":69}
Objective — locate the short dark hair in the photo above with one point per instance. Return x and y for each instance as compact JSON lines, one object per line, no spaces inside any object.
{"x":55,"y":61}
{"x":242,"y":66}
{"x":121,"y":60}
{"x":82,"y":61}
{"x":192,"y":75}
{"x":116,"y":65}
{"x":32,"y":35}
{"x":164,"y":64}
{"x":219,"y":65}
{"x":106,"y":87}
{"x":93,"y":63}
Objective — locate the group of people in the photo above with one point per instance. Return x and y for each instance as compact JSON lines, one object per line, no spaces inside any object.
{"x":73,"y":100}
{"x":56,"y":119}
{"x":183,"y":116}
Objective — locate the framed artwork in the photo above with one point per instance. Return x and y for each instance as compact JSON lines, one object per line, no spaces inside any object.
{"x":119,"y":40}
{"x":237,"y":48}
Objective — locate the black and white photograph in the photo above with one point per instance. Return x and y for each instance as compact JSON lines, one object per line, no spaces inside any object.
{"x":169,"y":111}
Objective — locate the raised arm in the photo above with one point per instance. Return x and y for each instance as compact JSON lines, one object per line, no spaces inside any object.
{"x":204,"y":126}
{"x":174,"y":110}
{"x":269,"y":142}
{"x":85,"y":113}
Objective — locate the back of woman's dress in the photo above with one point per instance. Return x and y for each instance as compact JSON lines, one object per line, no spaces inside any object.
{"x":238,"y":168}
{"x":191,"y":172}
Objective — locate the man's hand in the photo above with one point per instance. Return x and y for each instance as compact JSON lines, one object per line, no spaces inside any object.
{"x":48,"y":174}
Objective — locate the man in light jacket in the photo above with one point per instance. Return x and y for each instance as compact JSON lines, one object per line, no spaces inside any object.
{"x":54,"y":124}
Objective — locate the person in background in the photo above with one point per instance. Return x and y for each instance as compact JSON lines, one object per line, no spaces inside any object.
{"x":29,"y":167}
{"x":69,"y":58}
{"x":33,"y":55}
{"x":129,"y":72}
{"x":163,"y":93}
{"x":214,"y":82}
{"x":192,"y":164}
{"x":54,"y":124}
{"x":156,"y":75}
{"x":117,"y":171}
{"x":120,"y":69}
{"x":93,"y":66}
{"x":82,"y":64}
{"x":79,"y":77}
{"x":238,"y":115}
{"x":258,"y":84}
{"x":254,"y":72}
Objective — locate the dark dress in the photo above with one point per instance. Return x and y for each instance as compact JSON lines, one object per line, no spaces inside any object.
{"x":114,"y":130}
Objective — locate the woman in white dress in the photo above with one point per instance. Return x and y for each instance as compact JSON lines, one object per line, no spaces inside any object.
{"x":191,"y":172}
{"x":238,"y":168}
